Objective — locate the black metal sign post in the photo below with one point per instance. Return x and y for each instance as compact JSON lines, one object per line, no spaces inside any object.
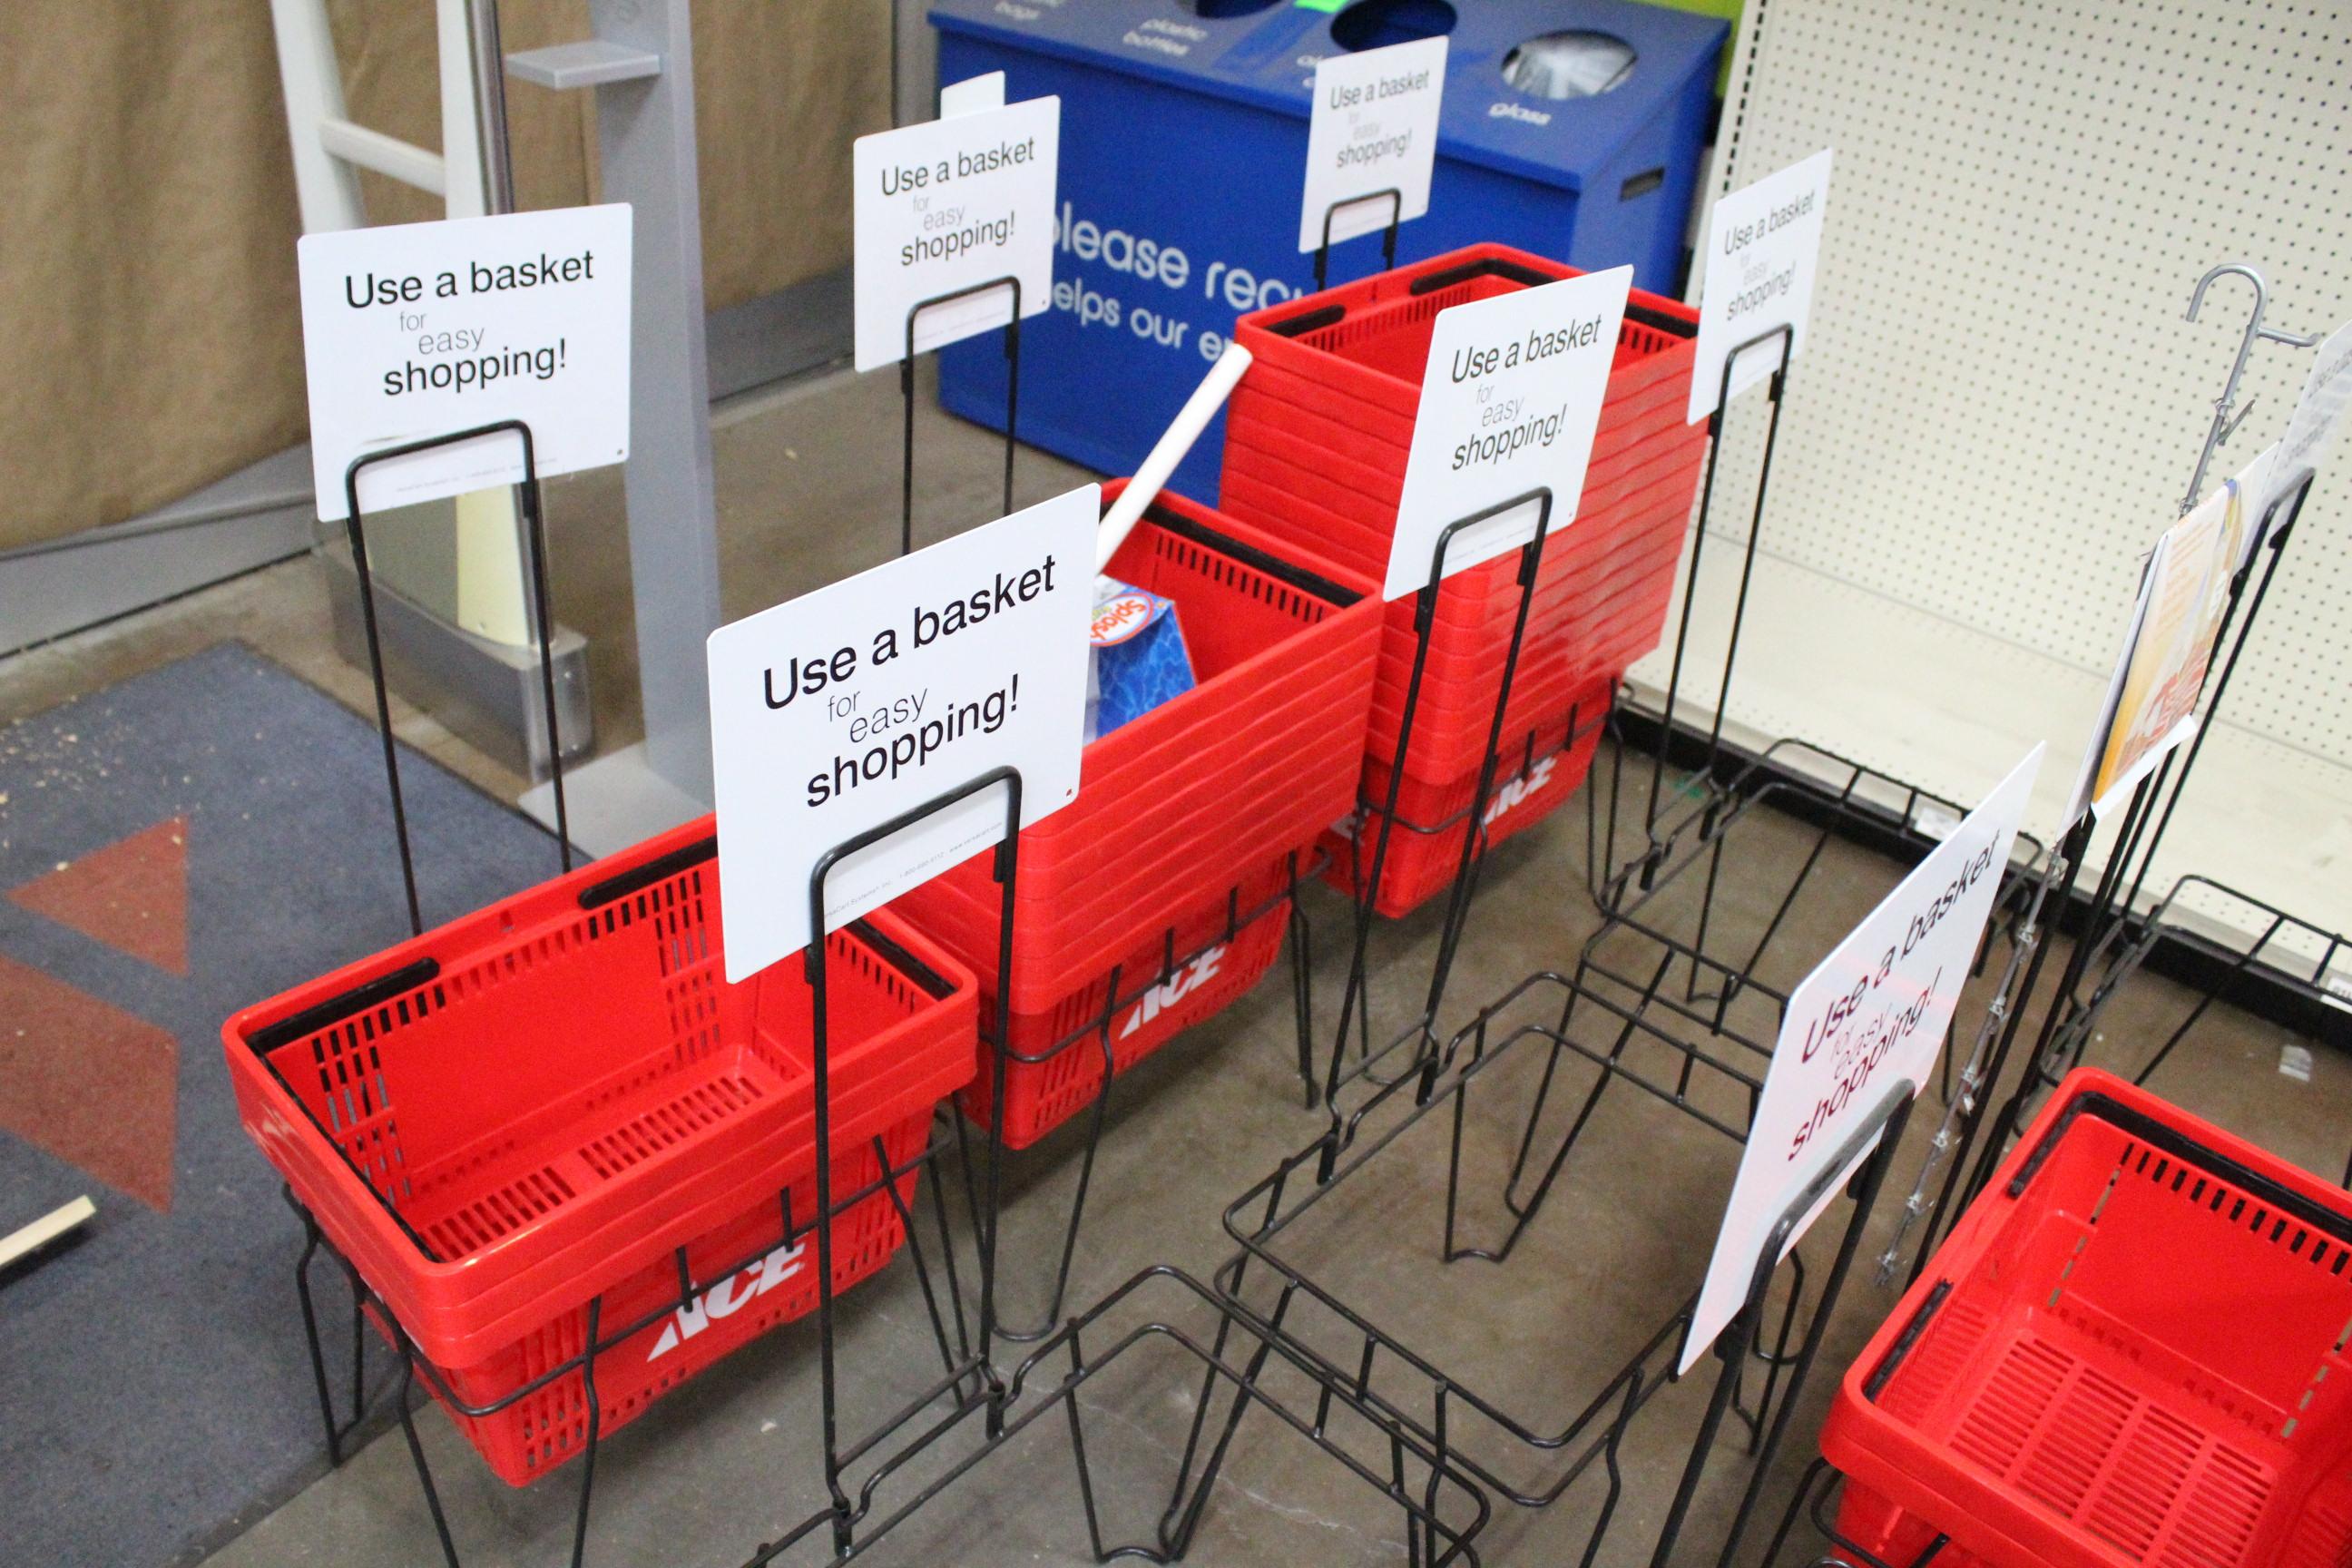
{"x":981,"y":1364}
{"x":542,"y":632}
{"x":907,"y":397}
{"x":1885,"y":1125}
{"x":1655,"y":851}
{"x":1424,"y":618}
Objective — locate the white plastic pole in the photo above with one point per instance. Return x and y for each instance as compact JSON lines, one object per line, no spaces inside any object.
{"x":1168,"y":451}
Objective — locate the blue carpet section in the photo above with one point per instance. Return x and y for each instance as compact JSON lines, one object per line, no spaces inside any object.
{"x":154,"y":1393}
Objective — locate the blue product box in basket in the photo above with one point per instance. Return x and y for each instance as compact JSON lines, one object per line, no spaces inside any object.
{"x":1139,"y":660}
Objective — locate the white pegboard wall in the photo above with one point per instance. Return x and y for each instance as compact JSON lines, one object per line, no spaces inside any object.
{"x":2000,"y":402}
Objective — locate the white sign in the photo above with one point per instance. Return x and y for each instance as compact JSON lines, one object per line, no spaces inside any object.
{"x":1510,"y":400}
{"x":1874,"y":1014}
{"x":1374,"y":131}
{"x":840,"y":709}
{"x":972,"y":95}
{"x":1763,"y":246}
{"x":420,"y":329}
{"x":2318,"y":417}
{"x":946,"y":205}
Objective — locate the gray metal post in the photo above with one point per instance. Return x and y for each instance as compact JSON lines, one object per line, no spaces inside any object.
{"x":641,"y":65}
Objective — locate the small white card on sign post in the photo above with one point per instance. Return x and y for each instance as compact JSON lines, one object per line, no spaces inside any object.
{"x":413,"y":331}
{"x":954,"y":203}
{"x":1373,"y":130}
{"x":1873,"y":1013}
{"x":836,"y":712}
{"x":2317,"y":419}
{"x":1510,"y":400}
{"x":972,"y":95}
{"x":1763,"y":246}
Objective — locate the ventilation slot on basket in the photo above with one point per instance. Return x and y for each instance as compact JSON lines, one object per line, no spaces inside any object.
{"x":466,"y":1230}
{"x":680,"y":933}
{"x":874,"y":969}
{"x":2099,"y":1453}
{"x":2233,"y":1208}
{"x":2010,"y":1405}
{"x":2323,"y":1532}
{"x":694,"y":1017}
{"x":705,"y":1105}
{"x":2215,"y":1519}
{"x":554,"y":1420}
{"x":1948,"y":1350}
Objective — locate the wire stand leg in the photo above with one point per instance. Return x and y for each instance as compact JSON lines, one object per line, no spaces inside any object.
{"x":416,"y":1455}
{"x":310,"y":1334}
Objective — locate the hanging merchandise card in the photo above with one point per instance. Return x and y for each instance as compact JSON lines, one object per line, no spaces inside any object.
{"x":1763,"y":246}
{"x":415,"y":331}
{"x":954,"y":204}
{"x":843,"y":708}
{"x":1510,"y":400}
{"x":1372,"y":139}
{"x":2312,"y":428}
{"x":1871,"y":1016}
{"x":2152,"y":700}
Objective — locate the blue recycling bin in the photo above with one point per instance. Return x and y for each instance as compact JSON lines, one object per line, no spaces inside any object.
{"x":1183,"y":156}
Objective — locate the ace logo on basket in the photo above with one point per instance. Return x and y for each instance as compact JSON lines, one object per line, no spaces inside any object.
{"x":728,"y":1296}
{"x":1161,"y":997}
{"x":1517,"y":792}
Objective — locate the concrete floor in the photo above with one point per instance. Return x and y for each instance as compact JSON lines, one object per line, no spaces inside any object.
{"x":808,"y":480}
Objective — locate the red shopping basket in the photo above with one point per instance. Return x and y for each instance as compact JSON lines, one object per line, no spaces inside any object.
{"x":1200,"y":965}
{"x":1317,"y":440}
{"x":1198,"y":797}
{"x":2130,"y":1350}
{"x":760,"y":1277}
{"x":537,"y":1105}
{"x":1535,"y":774}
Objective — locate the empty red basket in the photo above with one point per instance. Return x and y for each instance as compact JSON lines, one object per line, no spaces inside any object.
{"x":1194,"y":804}
{"x":539,"y":1104}
{"x":2130,"y":1351}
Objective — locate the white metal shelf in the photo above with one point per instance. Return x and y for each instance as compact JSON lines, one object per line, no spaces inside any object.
{"x":2000,"y":403}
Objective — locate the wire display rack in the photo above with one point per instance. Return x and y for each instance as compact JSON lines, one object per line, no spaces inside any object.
{"x":1500,"y":1110}
{"x":1661,"y":1030}
{"x":1241,"y":1362}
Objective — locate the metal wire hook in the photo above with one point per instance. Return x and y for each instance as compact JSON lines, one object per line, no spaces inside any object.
{"x":2224,"y":425}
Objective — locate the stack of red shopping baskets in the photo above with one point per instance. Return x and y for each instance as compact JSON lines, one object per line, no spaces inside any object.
{"x":1316,"y":441}
{"x":1159,"y":895}
{"x":2131,"y":1350}
{"x":551,"y":1101}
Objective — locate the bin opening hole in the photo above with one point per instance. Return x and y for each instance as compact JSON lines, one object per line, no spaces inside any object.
{"x":1376,"y":23}
{"x":1215,"y":9}
{"x":1575,"y":63}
